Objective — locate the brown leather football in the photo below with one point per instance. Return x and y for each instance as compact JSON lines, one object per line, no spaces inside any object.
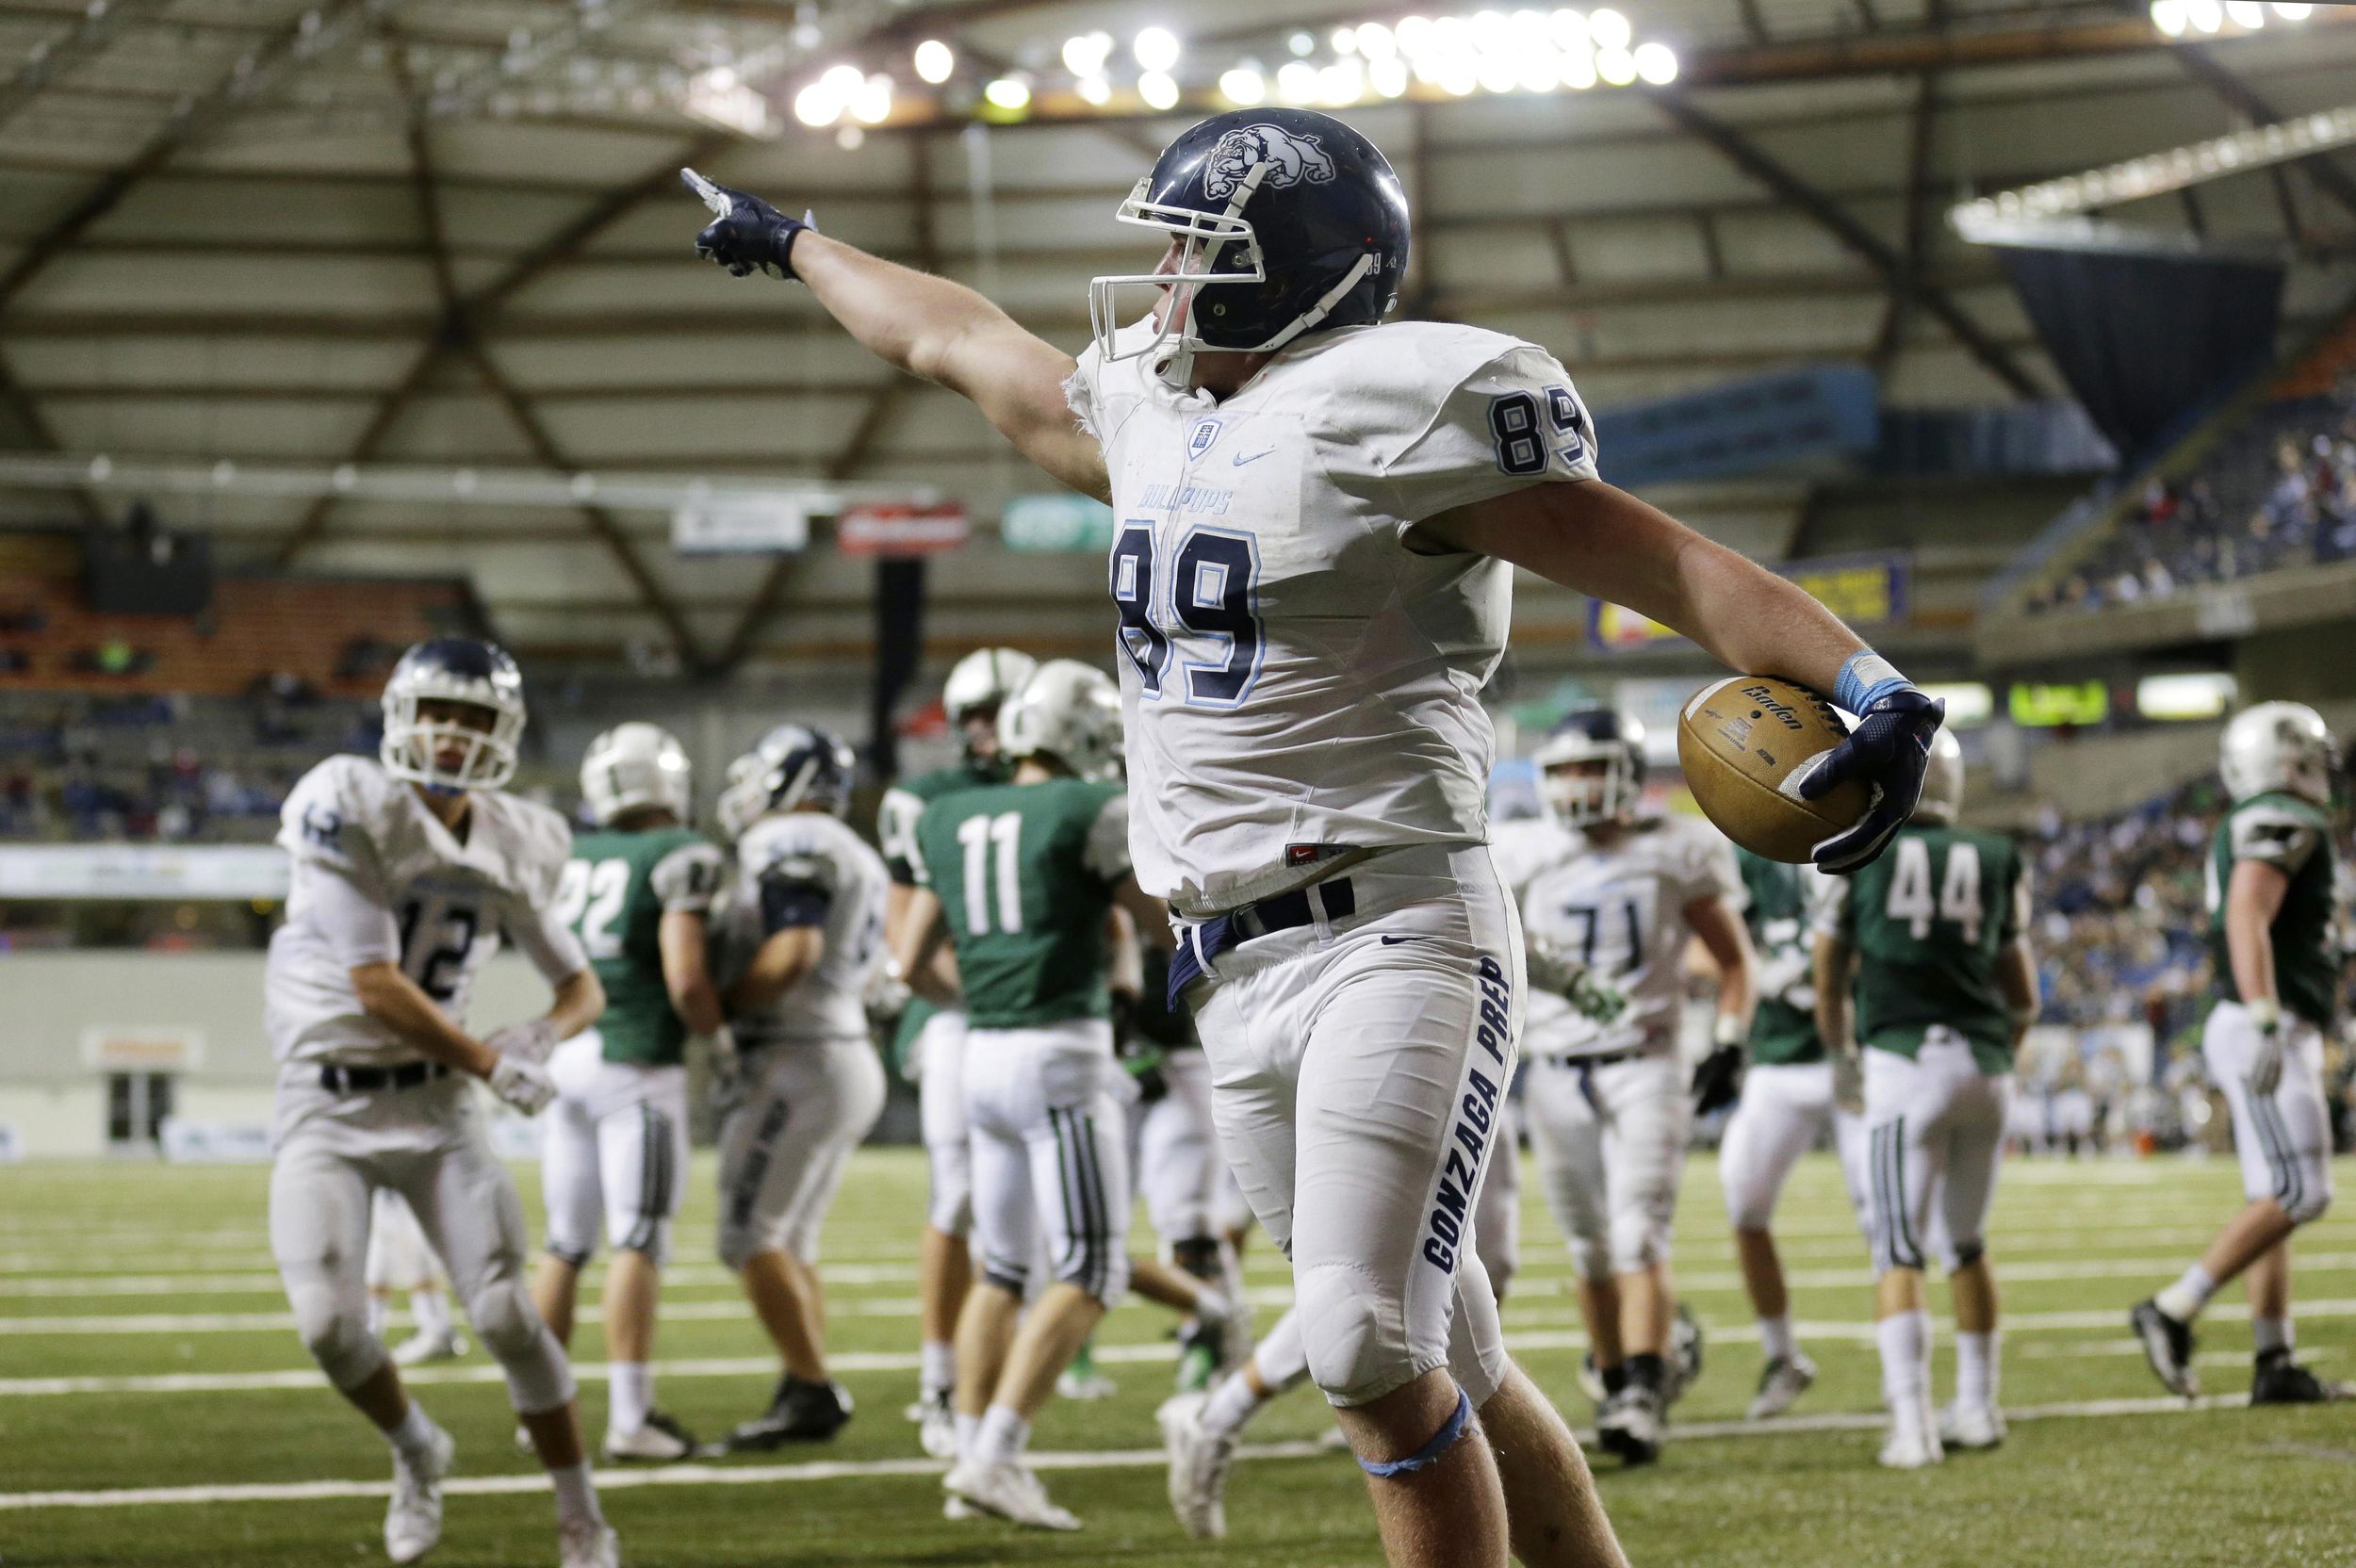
{"x":1740,"y":741}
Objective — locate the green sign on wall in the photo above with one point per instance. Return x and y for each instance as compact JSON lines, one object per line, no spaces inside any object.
{"x":1054,"y":523}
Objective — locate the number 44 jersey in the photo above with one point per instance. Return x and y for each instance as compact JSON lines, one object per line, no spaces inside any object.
{"x":1298,"y":683}
{"x":446,"y":901}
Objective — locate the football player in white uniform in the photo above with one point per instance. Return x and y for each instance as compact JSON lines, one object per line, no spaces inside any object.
{"x":407,"y":871}
{"x":2279,"y":976}
{"x":1314,"y":512}
{"x":1611,"y":899}
{"x":1792,"y":1093}
{"x":806,"y":924}
{"x":398,"y":1260}
{"x":637,"y":894}
{"x":930,"y":1039}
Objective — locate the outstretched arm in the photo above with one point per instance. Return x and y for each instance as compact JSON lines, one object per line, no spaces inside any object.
{"x":927,"y":326}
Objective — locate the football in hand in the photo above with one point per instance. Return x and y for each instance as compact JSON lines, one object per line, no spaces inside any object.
{"x":1740,"y":741}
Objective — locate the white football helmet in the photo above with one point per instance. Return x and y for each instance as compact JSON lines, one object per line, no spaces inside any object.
{"x":984,"y":678}
{"x":2278,"y":746}
{"x":440,"y":752}
{"x":1069,"y":712}
{"x":1943,"y":780}
{"x":632,"y":767}
{"x":1592,"y":735}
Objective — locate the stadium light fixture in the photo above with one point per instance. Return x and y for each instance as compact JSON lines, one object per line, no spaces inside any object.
{"x":871,"y":104}
{"x":1657,"y":63}
{"x":1243,"y":86}
{"x":2247,"y":14}
{"x":936,"y":62}
{"x":1609,"y":30}
{"x":1388,"y":76}
{"x":1616,"y":65}
{"x":1159,"y":89}
{"x":1086,"y":55}
{"x":1156,"y":49}
{"x":1297,"y":83}
{"x":1345,"y":40}
{"x":1008,"y":92}
{"x":2293,"y":12}
{"x":2170,"y":18}
{"x":1096,"y":91}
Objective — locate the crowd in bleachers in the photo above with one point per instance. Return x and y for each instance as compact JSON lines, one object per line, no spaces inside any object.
{"x":2280,"y":492}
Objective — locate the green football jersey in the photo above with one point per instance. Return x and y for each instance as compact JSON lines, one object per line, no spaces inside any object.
{"x":614,"y":893}
{"x":1783,"y":1032}
{"x":895,"y":835}
{"x":2293,"y":836}
{"x":1928,"y":920}
{"x":1025,"y":873}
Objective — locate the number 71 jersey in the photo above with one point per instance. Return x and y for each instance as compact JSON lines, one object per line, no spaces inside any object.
{"x":1298,"y":683}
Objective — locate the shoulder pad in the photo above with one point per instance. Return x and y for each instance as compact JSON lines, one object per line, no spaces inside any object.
{"x":534,"y":840}
{"x":336,"y":813}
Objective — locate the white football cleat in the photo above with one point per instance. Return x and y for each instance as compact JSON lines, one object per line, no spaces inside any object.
{"x":1085,"y":1385}
{"x":1781,"y":1382}
{"x":957,"y":1510}
{"x":1198,"y":1466}
{"x":659,"y":1440}
{"x":588,"y":1546}
{"x":413,"y":1519}
{"x":418,"y":1349}
{"x":1914,"y":1449}
{"x":1010,"y":1491}
{"x":936,"y":1429}
{"x":1971,"y":1427}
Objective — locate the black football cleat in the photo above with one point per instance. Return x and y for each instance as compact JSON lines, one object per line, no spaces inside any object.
{"x":2167,"y":1345}
{"x":801,"y":1413}
{"x":2276,"y":1379}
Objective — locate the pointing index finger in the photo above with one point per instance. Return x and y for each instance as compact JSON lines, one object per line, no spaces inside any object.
{"x":714,"y":197}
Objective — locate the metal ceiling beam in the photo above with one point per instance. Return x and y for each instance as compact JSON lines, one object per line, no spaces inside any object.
{"x":2203,"y":67}
{"x":201,"y":116}
{"x":54,"y":58}
{"x":1836,"y":221}
{"x":1897,"y":315}
{"x":26,"y":411}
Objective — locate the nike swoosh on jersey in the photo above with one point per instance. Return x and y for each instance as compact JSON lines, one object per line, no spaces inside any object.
{"x":1394,"y":941}
{"x":1242,"y":458}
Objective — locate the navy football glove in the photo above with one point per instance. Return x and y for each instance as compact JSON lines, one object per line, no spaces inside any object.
{"x":1889,"y":749}
{"x":746,"y":233}
{"x":1718,"y":1079}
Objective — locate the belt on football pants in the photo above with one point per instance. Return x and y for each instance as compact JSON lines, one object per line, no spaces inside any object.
{"x":1601,"y":1058}
{"x":1200,"y":943}
{"x":360,"y":1080}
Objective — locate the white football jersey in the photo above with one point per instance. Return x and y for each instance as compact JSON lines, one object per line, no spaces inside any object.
{"x":816,"y":863}
{"x":1620,"y":908}
{"x":1300,"y":686}
{"x":449,"y":900}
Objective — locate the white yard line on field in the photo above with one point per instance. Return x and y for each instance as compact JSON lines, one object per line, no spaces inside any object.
{"x":696,"y":1474}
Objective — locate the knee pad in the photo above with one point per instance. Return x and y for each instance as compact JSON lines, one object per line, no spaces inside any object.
{"x":950,"y":1210}
{"x":1354,"y":1332}
{"x":538,"y":1376}
{"x":1966,"y":1254}
{"x":2313,"y":1197}
{"x":1591,"y":1256}
{"x":337,"y":1337}
{"x":1639,"y":1239}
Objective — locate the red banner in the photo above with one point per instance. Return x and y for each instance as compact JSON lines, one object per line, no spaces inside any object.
{"x":890,"y":529}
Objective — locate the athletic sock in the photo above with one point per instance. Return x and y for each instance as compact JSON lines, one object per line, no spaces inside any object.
{"x":630,"y":1396}
{"x":2271,"y":1334}
{"x":379,"y":1310}
{"x":1002,"y":1438}
{"x":2183,"y":1299}
{"x":1230,"y":1406}
{"x":414,"y":1434}
{"x":969,"y":1432}
{"x":1211,"y":1307}
{"x":430,"y":1310}
{"x":937,"y":1368}
{"x":576,"y":1495}
{"x":1775,"y":1338}
{"x":1905,"y":1339}
{"x":1978,"y":1368}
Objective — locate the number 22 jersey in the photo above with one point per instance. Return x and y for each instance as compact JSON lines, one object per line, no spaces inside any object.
{"x":1298,"y":684}
{"x":449,"y":902}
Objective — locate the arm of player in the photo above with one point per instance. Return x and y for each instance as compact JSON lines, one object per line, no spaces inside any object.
{"x":1718,"y":1077}
{"x":681,"y":937}
{"x":927,"y":326}
{"x":396,"y":1002}
{"x":1149,"y":913}
{"x":918,"y":945}
{"x":346,"y":905}
{"x":2016,"y":979}
{"x":777,"y":967}
{"x":1601,"y":541}
{"x":1833,"y":956}
{"x":2253,"y":896}
{"x":580,"y":1000}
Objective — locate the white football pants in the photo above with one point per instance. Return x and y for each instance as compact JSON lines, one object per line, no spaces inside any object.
{"x":939,"y":1051}
{"x":1610,"y":1147}
{"x":783,"y":1149}
{"x":1934,"y":1130}
{"x":1785,"y":1107}
{"x":1050,"y":1156}
{"x":616,"y":1148}
{"x":2284,"y":1139}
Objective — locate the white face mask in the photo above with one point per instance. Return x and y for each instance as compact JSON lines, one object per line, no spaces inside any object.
{"x":412,"y":747}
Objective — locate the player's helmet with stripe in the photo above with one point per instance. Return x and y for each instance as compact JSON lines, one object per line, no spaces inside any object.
{"x":2278,"y":746}
{"x":793,"y":766}
{"x":437,"y":748}
{"x":633,"y":767}
{"x":1069,"y":712}
{"x":1576,"y":792}
{"x":1287,"y":222}
{"x":978,"y":686}
{"x":1943,"y":780}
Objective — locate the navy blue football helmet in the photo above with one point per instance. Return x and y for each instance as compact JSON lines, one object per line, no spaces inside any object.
{"x":1289,"y":221}
{"x":453,"y":670}
{"x":793,"y":766}
{"x":1581,"y":796}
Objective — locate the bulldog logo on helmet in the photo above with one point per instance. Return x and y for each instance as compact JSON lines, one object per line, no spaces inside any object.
{"x":1291,"y":160}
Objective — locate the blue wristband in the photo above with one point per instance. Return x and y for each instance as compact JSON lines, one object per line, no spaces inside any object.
{"x":1865,"y":680}
{"x":1442,"y":1441}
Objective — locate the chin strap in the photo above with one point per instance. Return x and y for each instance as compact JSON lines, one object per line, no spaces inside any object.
{"x":1442,"y":1441}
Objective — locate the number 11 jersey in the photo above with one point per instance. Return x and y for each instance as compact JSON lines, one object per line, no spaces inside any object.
{"x":1298,"y":684}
